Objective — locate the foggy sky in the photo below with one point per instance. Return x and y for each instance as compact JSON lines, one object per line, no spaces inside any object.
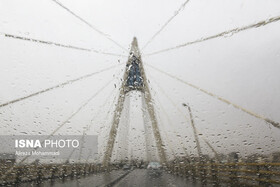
{"x":243,"y":68}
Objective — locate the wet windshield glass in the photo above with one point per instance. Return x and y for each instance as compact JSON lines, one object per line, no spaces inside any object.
{"x":139,"y":93}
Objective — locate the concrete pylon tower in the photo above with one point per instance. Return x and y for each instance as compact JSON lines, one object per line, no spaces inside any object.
{"x":134,"y":79}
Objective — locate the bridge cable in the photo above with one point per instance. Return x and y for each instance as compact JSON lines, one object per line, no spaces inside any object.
{"x":167,"y":116}
{"x":89,"y":155}
{"x":167,"y":137}
{"x":111,"y":105}
{"x":57,"y":86}
{"x":147,"y":129}
{"x":166,"y":23}
{"x":173,"y":103}
{"x":107,"y":117}
{"x":212,"y":148}
{"x":169,"y":121}
{"x":207,"y":143}
{"x":104,"y":104}
{"x":275,"y":124}
{"x":222,"y":34}
{"x":81,"y":107}
{"x":59,"y":127}
{"x":89,"y":126}
{"x":90,"y":25}
{"x":106,"y":101}
{"x":147,"y":115}
{"x":57,"y":44}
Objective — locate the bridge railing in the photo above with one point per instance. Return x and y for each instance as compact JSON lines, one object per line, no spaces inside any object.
{"x":235,"y":173}
{"x":39,"y":172}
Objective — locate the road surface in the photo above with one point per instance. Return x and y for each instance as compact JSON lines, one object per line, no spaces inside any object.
{"x":120,"y":178}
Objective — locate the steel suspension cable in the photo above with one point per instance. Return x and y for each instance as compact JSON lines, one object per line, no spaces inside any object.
{"x":211,"y":147}
{"x":173,"y":103}
{"x":275,"y":124}
{"x":104,"y":104}
{"x":166,"y":114}
{"x":57,"y":86}
{"x":169,"y":121}
{"x":88,"y":126}
{"x":57,"y":44}
{"x":222,"y":34}
{"x":166,"y":23}
{"x":60,"y":126}
{"x":88,"y":24}
{"x":145,"y":115}
{"x":107,"y":117}
{"x":81,"y":107}
{"x":167,"y":137}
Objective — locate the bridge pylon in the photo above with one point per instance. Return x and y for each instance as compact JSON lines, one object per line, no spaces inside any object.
{"x":134,"y":78}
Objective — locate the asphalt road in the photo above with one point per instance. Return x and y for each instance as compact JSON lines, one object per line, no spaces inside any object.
{"x":120,"y":178}
{"x":92,"y":180}
{"x":142,"y":178}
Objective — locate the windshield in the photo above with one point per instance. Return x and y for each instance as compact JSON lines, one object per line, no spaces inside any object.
{"x":100,"y":93}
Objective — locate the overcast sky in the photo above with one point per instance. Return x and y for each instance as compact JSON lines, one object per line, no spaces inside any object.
{"x":243,"y":68}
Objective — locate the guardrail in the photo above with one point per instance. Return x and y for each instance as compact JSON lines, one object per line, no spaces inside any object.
{"x":39,"y":172}
{"x":262,"y":174}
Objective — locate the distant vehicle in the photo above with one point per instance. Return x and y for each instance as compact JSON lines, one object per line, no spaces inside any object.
{"x":126,"y":167}
{"x":154,"y":168}
{"x":142,"y":166}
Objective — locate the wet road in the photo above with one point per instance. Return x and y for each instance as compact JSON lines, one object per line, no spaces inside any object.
{"x":142,"y":178}
{"x":92,"y":180}
{"x":137,"y":177}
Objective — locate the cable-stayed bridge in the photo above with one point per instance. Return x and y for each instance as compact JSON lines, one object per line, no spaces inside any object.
{"x":136,"y":129}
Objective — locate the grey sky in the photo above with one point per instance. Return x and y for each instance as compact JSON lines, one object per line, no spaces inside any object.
{"x":243,"y":68}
